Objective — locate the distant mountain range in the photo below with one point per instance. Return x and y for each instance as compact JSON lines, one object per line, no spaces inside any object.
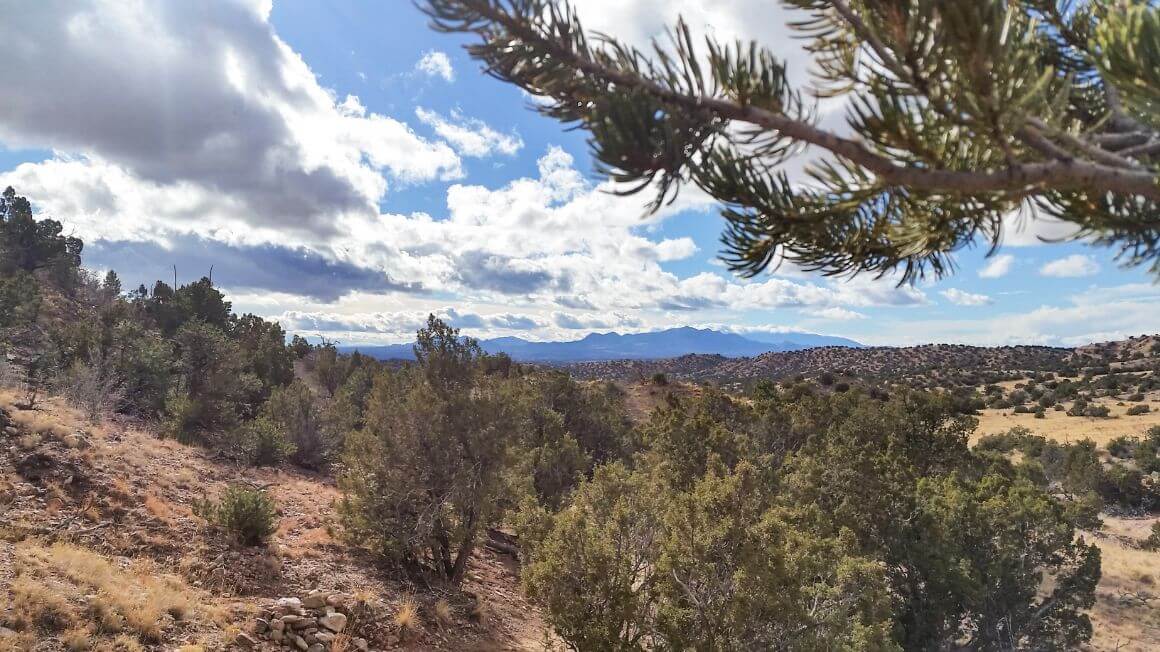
{"x":669,"y":343}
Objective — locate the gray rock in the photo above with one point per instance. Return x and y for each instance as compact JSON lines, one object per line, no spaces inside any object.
{"x":316,"y":600}
{"x":361,"y":644}
{"x":299,"y":642}
{"x":244,"y":640}
{"x":334,"y":622}
{"x":289,"y":605}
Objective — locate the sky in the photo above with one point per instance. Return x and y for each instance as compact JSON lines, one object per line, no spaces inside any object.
{"x":346,"y":170}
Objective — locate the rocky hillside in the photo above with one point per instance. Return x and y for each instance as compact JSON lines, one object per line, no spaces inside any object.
{"x":100,"y":550}
{"x":931,"y":361}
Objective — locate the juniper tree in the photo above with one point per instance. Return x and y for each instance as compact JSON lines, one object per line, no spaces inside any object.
{"x":959,"y":114}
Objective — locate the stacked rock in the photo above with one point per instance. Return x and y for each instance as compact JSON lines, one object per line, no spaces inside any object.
{"x":308,"y":624}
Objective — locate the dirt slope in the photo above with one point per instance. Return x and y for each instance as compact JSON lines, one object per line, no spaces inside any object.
{"x":117,"y":502}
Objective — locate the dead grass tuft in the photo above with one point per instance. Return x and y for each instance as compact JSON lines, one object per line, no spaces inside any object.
{"x":133,"y":599}
{"x":77,"y":639}
{"x":407,"y":617}
{"x":443,"y":613}
{"x":37,"y":606}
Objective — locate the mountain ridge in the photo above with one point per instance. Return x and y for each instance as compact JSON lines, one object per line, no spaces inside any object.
{"x":653,"y":345}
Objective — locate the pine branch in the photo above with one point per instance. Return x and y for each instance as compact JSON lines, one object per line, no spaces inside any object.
{"x":1022,"y":178}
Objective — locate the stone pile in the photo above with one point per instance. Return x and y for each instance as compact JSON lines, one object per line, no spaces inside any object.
{"x":307,"y":624}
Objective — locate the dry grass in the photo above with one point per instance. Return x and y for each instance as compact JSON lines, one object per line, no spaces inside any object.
{"x":132,"y":600}
{"x":407,"y":618}
{"x":38,"y":607}
{"x":443,"y":614}
{"x":158,"y":507}
{"x":1062,"y":428}
{"x":1126,"y":616}
{"x":78,"y":639}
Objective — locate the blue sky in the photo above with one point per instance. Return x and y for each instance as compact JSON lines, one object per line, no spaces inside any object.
{"x":347,"y":170}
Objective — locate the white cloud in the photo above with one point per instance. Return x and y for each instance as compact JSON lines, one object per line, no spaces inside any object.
{"x":436,"y":64}
{"x":1073,"y":266}
{"x":1025,"y":227}
{"x":469,"y":136}
{"x":997,"y":266}
{"x":961,"y":298}
{"x":202,"y":102}
{"x":836,"y":313}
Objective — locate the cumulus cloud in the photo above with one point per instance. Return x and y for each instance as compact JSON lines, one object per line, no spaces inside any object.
{"x":401,"y":325}
{"x":961,"y":298}
{"x":1073,"y":266}
{"x":469,"y":136}
{"x":836,"y":313}
{"x":204,"y":101}
{"x":436,"y":64}
{"x":241,"y":268}
{"x":997,"y":266}
{"x":1107,"y":314}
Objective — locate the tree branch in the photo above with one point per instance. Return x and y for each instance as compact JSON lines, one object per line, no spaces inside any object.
{"x":1020,"y":178}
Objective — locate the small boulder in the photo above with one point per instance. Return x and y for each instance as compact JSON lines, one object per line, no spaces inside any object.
{"x":335,"y":622}
{"x":245,"y":641}
{"x":289,"y":605}
{"x":315,"y":600}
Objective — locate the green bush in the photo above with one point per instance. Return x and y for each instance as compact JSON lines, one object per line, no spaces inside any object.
{"x":294,"y":411}
{"x":1153,"y":540}
{"x":1122,"y":447}
{"x":426,"y":475}
{"x":262,"y":443}
{"x":248,"y":515}
{"x":1138,"y":409}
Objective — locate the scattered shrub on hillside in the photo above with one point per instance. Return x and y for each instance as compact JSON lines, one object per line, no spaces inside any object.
{"x":1125,"y":489}
{"x":1099,"y":411}
{"x":1081,"y":408}
{"x":1122,"y":447}
{"x":248,"y":515}
{"x":1153,"y":540}
{"x":1021,"y":409}
{"x":426,"y":475}
{"x":294,"y":411}
{"x":659,"y":379}
{"x":696,"y":523}
{"x":210,"y":398}
{"x":1138,"y":409}
{"x":620,"y":566}
{"x":261,"y":442}
{"x":1136,"y":398}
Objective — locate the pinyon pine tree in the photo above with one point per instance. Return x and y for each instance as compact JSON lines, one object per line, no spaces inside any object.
{"x":959,"y":113}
